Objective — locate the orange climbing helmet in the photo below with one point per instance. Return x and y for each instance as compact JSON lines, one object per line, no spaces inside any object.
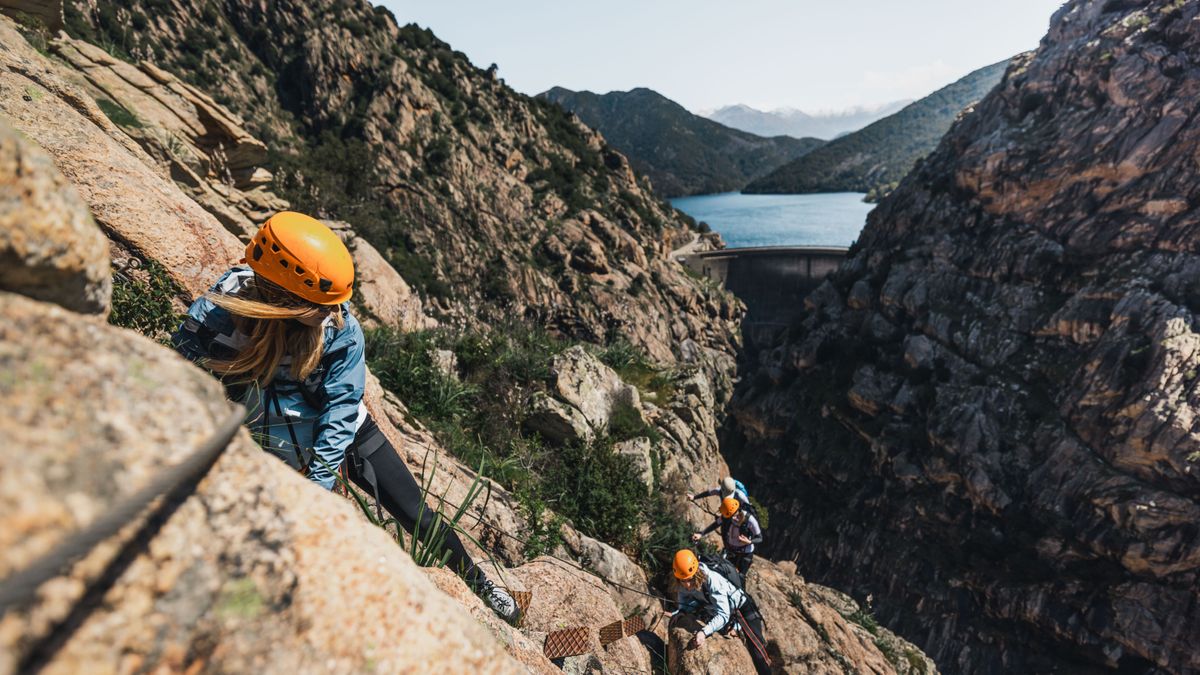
{"x":304,"y":257}
{"x":730,"y":506}
{"x":685,"y":564}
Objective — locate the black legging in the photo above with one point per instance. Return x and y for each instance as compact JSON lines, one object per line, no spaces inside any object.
{"x":741,"y":561}
{"x":373,"y":462}
{"x":751,"y":622}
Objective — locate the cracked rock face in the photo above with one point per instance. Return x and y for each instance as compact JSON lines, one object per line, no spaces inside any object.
{"x":118,"y":181}
{"x":988,"y":415}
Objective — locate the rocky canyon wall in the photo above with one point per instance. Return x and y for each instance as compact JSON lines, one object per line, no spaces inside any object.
{"x":987,"y":416}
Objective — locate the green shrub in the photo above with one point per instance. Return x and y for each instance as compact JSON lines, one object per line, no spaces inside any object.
{"x":479,"y":418}
{"x":34,"y":30}
{"x":620,"y":354}
{"x":635,"y":368}
{"x":476,"y":416}
{"x":146,"y":305}
{"x":863,"y":618}
{"x":562,"y":178}
{"x":598,"y":490}
{"x":760,"y":512}
{"x":796,"y":599}
{"x":545,"y":530}
{"x":625,"y":422}
{"x":668,"y":533}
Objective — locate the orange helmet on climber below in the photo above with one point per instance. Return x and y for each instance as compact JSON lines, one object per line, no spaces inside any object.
{"x":730,"y":506}
{"x":301,"y":255}
{"x":685,"y":564}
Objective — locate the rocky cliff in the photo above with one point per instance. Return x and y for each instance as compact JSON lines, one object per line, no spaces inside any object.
{"x":493,"y":204}
{"x":986,"y":418}
{"x":248,"y":572}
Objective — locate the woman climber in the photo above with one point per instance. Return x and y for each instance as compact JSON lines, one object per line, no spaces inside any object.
{"x":280,"y":335}
{"x":707,"y":594}
{"x":739,"y":532}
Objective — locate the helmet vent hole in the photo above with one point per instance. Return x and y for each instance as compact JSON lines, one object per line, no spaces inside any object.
{"x":274,"y":248}
{"x":263,"y":239}
{"x":257,"y":252}
{"x":284,"y":263}
{"x":326,"y":285}
{"x":299,"y":269}
{"x":308,"y":282}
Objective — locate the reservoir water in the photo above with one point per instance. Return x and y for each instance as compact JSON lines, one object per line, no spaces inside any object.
{"x":829,"y":219}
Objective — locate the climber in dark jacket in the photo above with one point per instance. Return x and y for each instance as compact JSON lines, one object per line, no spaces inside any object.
{"x":739,"y":532}
{"x":280,"y":334}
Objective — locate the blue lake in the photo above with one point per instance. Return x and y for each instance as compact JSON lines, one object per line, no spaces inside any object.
{"x":829,"y":219}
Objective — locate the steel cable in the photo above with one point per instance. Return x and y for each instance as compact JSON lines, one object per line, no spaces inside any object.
{"x":20,"y":588}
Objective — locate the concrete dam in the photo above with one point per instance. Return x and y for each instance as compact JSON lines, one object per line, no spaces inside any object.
{"x":771,"y":280}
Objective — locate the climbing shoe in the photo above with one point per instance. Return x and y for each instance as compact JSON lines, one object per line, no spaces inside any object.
{"x":500,"y":601}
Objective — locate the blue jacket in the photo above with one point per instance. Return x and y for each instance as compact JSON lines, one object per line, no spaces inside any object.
{"x":304,"y":423}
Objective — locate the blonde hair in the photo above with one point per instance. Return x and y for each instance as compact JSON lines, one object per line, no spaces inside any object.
{"x":699,"y":577}
{"x":261,"y":311}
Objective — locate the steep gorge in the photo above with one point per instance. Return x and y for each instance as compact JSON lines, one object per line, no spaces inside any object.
{"x":173,"y":180}
{"x":986,"y":418}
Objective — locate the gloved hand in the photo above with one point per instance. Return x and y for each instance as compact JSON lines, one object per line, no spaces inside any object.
{"x":690,"y":497}
{"x":698,"y":639}
{"x":695,"y":537}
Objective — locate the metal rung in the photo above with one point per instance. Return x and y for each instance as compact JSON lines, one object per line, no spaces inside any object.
{"x":522,"y":598}
{"x":568,"y":642}
{"x":634,"y":625}
{"x":612,"y":632}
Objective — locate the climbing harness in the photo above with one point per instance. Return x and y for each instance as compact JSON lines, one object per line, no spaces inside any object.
{"x":749,"y":635}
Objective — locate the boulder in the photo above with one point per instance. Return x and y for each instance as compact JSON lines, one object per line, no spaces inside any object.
{"x":720,"y":655}
{"x":256,"y":570}
{"x":50,"y":249}
{"x":116,"y":179}
{"x":613,"y":565}
{"x":807,"y":629}
{"x":446,"y":362}
{"x":557,"y":422}
{"x":516,"y":643}
{"x":592,"y":387}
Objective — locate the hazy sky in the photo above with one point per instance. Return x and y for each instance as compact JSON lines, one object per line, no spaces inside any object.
{"x":704,"y":54}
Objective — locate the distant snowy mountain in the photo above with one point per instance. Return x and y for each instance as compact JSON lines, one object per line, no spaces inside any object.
{"x":799,"y":124}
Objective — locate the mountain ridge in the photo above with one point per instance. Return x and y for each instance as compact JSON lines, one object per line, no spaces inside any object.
{"x":681,"y":153}
{"x":876,"y":157}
